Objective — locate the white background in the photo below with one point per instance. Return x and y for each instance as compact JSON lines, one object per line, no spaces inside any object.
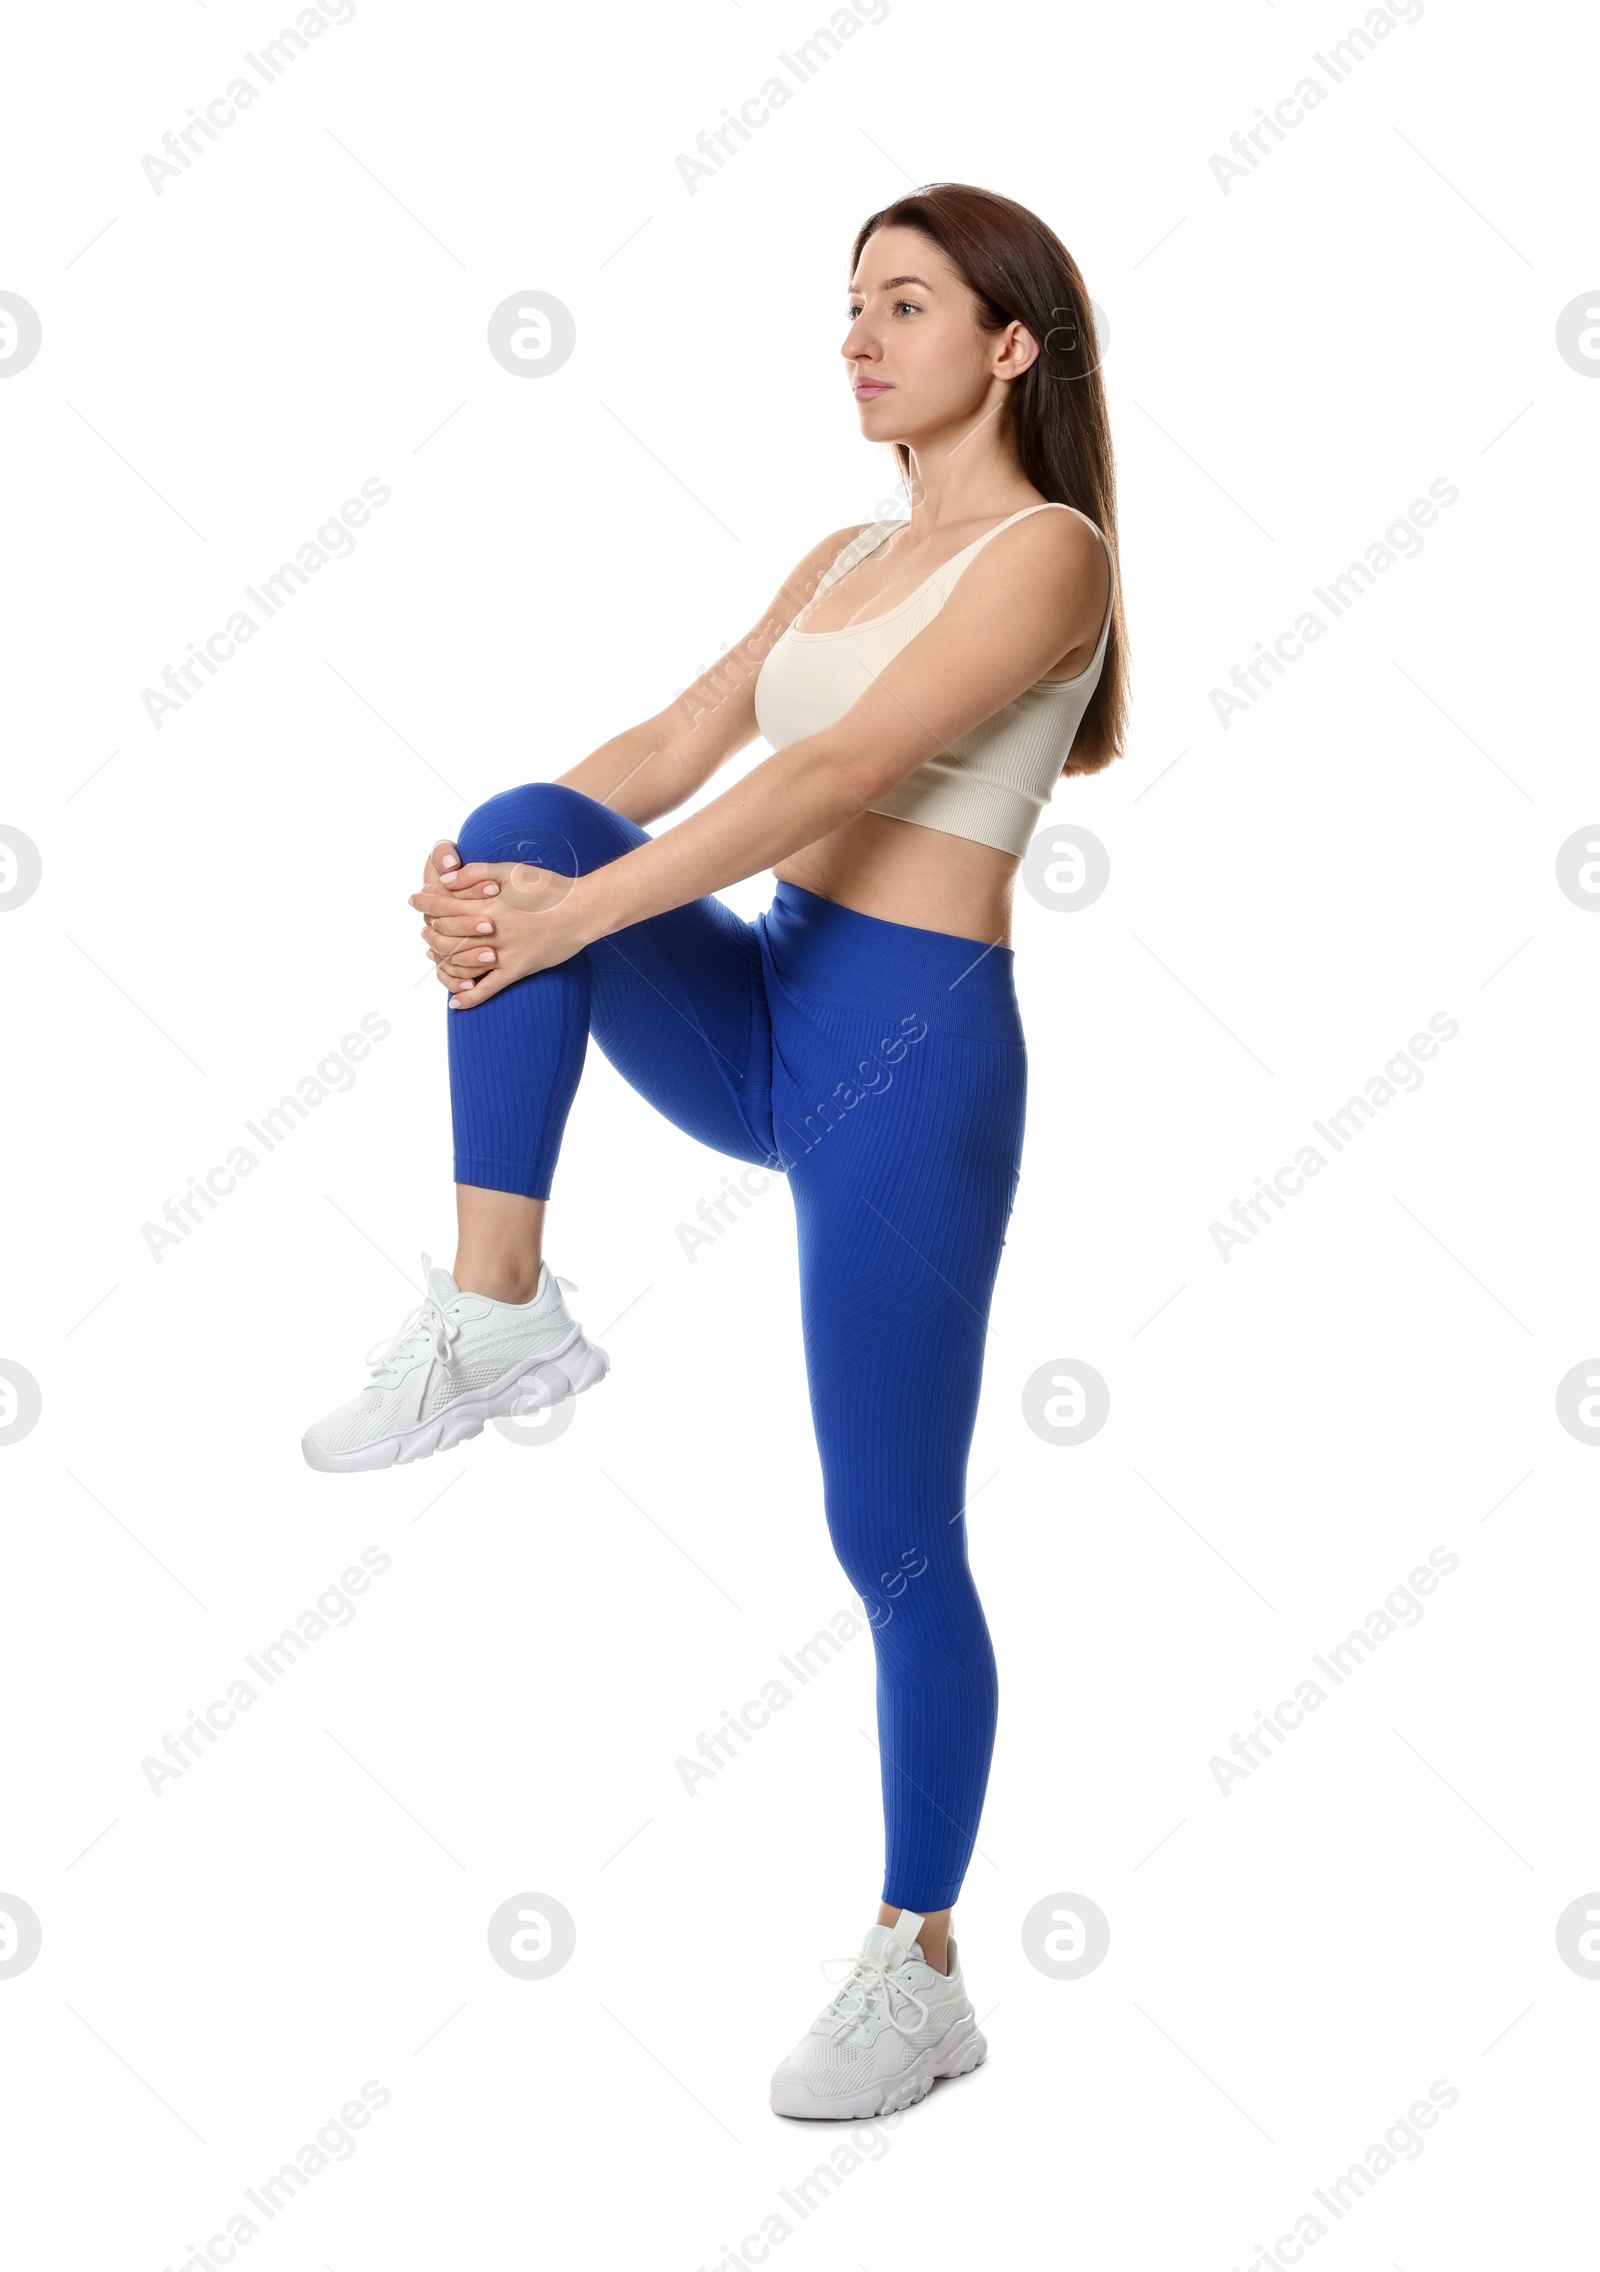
{"x":1373,"y":1376}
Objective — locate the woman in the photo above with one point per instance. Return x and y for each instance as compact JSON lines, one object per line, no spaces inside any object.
{"x":923,"y":684}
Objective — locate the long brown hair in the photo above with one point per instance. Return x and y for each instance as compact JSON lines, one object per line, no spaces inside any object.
{"x":1018,"y":270}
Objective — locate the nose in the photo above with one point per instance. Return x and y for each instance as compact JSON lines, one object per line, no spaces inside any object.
{"x":859,"y":344}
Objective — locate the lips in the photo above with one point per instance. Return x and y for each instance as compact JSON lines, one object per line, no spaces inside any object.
{"x":867,"y":390}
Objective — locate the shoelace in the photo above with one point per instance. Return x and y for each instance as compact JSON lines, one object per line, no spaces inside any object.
{"x":871,"y":1984}
{"x":427,"y":1325}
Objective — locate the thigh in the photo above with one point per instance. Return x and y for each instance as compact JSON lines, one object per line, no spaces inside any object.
{"x":903,"y":1190}
{"x":677,"y":1003}
{"x":679,"y":1007}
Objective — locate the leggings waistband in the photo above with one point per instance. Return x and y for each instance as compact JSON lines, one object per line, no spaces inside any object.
{"x":961,"y":986}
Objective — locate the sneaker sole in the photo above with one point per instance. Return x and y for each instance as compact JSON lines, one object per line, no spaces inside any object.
{"x":956,"y":2053}
{"x":536,"y":1383}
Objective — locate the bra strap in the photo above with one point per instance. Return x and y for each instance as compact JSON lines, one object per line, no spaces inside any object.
{"x":1050,"y":505}
{"x":1111,"y":596}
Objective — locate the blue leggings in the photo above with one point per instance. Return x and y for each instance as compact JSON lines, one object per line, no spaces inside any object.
{"x":880,"y":1068}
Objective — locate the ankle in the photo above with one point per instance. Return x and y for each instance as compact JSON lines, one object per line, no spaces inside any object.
{"x":933,"y":1939}
{"x":499,"y":1239}
{"x":498,"y":1279}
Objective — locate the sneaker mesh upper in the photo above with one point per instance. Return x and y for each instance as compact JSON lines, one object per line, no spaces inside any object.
{"x":466,"y":1380}
{"x":362,"y":1421}
{"x":486,"y":1351}
{"x":830,"y":2064}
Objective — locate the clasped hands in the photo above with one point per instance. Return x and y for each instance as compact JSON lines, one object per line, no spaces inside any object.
{"x":488,"y":923}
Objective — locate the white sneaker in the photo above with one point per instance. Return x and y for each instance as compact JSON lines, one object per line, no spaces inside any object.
{"x":892,"y":2030}
{"x":457,"y":1361}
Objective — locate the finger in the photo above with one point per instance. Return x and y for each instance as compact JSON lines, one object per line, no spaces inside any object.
{"x":458,"y":926}
{"x":445,"y":950}
{"x":475,"y":872}
{"x":449,"y":939}
{"x":443,"y":860}
{"x":458,"y":954}
{"x":455,"y":903}
{"x":440,"y":901}
{"x":479,"y":989}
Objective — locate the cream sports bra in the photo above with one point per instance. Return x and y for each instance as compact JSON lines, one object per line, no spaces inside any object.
{"x":992,"y":784}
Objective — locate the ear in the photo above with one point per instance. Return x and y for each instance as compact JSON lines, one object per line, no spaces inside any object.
{"x":1020,"y":351}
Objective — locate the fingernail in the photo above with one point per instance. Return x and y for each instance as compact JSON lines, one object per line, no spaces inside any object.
{"x":449,"y":861}
{"x":487,"y":955}
{"x":489,"y":890}
{"x":485,"y":926}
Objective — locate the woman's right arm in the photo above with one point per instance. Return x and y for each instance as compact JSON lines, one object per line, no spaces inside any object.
{"x":650,"y":769}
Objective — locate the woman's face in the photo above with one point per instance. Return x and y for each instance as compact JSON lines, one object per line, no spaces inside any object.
{"x":917,"y":358}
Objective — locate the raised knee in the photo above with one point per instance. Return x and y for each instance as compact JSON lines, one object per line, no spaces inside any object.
{"x":546,"y":825}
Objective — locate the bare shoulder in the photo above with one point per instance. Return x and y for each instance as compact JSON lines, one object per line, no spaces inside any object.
{"x":1062,"y":543}
{"x":1055,"y":565}
{"x":827,"y":549}
{"x":799,"y":586}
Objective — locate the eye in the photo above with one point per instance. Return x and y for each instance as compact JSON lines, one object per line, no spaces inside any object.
{"x":911,"y":304}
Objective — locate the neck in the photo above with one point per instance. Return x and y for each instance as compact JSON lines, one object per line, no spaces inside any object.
{"x":966,"y":471}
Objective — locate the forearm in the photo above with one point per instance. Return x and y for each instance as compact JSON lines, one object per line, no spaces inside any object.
{"x":788,"y":801}
{"x":634,"y":773}
{"x":655,"y":766}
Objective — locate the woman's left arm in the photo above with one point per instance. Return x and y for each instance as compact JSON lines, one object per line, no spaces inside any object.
{"x":1011,"y":616}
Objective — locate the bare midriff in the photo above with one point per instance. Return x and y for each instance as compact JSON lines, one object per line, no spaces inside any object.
{"x":904,"y":873}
